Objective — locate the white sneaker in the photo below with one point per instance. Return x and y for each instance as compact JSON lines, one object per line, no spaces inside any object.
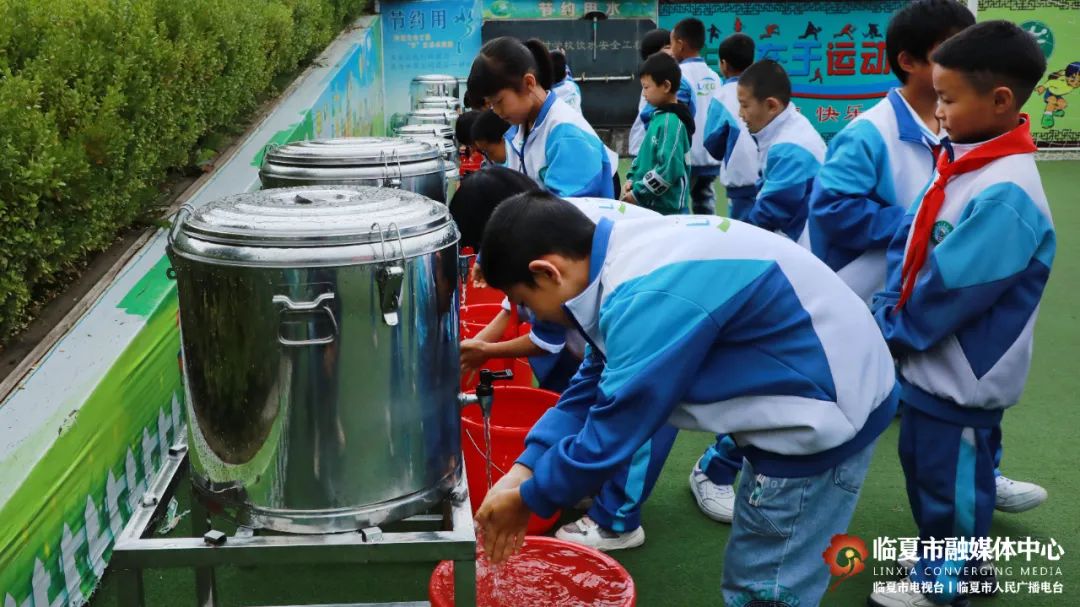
{"x":587,"y":532}
{"x":1017,"y":496}
{"x":910,"y":598}
{"x":716,"y":501}
{"x":986,"y":574}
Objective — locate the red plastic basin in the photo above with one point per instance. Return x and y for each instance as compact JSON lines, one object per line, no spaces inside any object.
{"x":546,"y":573}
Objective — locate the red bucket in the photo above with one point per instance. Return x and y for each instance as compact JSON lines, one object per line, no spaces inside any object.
{"x":483,"y":295}
{"x":514,"y":413}
{"x":548,"y":573}
{"x":480,"y":313}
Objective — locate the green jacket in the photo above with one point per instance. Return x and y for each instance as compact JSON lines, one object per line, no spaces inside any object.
{"x":660,"y":175}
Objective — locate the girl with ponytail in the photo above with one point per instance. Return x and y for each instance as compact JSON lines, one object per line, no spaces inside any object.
{"x":549,"y":141}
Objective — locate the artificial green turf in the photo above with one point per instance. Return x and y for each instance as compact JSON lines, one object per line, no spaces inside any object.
{"x":681,"y":561}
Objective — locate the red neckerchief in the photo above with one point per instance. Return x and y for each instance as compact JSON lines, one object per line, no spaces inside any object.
{"x":1016,"y":141}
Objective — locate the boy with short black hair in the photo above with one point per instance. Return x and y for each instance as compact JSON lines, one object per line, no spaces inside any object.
{"x":655,"y":41}
{"x":966,"y":272}
{"x":561,"y":82}
{"x":470,"y":159}
{"x":687,"y":40}
{"x":668,"y":306}
{"x":658,"y":178}
{"x":726,"y":137}
{"x":489,"y":137}
{"x":877,"y":166}
{"x":790,"y":150}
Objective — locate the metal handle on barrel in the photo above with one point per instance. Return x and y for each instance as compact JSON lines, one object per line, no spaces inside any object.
{"x":178,"y":222}
{"x":321,"y":304}
{"x":390,"y":276}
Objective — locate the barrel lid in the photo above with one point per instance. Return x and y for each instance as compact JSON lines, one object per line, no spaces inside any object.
{"x":435,"y":78}
{"x":439,"y":102}
{"x":445,"y":145}
{"x":441,"y":131}
{"x":352,"y":151}
{"x":313,"y":217}
{"x":429,"y":115}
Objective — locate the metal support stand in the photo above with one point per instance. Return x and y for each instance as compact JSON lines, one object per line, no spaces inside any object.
{"x":424,"y":538}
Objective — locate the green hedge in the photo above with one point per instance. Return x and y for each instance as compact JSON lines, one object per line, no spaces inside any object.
{"x":100,"y":99}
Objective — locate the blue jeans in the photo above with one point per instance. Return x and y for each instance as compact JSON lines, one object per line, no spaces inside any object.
{"x":781,"y":528}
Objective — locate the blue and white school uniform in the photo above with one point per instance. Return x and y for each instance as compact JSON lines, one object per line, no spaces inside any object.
{"x":963,"y":341}
{"x":790,"y":152}
{"x":728,"y":140}
{"x":561,"y":152}
{"x":703,"y":167}
{"x":559,"y":343}
{"x":569,"y":92}
{"x":704,"y":82}
{"x":875,"y":169}
{"x":673,"y":305}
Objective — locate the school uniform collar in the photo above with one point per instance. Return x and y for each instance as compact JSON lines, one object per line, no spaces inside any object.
{"x":692,"y":60}
{"x":544,"y":110}
{"x":908,"y":124}
{"x":957,"y":151}
{"x":584,"y":309}
{"x":767,"y":135}
{"x":734,"y":79}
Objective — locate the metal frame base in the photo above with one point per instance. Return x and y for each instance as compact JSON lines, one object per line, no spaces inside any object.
{"x":423,"y":538}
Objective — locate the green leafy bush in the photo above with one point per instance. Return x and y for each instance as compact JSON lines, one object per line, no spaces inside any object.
{"x":99,"y":99}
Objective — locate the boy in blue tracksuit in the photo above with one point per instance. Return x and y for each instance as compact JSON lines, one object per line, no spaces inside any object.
{"x":966,"y":272}
{"x":655,"y":41}
{"x":878,"y":165}
{"x":790,"y":150}
{"x":554,"y":353}
{"x":726,"y":137}
{"x":687,"y":40}
{"x":613,"y":520}
{"x":668,"y":307}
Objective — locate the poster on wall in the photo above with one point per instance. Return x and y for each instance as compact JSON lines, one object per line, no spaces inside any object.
{"x":1055,"y":105}
{"x":426,"y":37}
{"x":567,"y":9}
{"x":834,"y":52}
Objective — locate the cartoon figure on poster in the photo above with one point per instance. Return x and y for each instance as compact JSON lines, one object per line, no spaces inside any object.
{"x":1058,"y":85}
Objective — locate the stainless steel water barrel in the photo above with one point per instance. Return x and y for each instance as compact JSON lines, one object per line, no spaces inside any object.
{"x":450,"y":154}
{"x":440,"y":103}
{"x":432,"y":116}
{"x":319,"y":330}
{"x":440,"y":131}
{"x":416,"y":166}
{"x":433,"y":85}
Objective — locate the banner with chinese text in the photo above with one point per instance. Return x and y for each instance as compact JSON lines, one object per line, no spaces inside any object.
{"x":1055,"y":104}
{"x":567,"y":9}
{"x":426,"y":37}
{"x":834,"y":52}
